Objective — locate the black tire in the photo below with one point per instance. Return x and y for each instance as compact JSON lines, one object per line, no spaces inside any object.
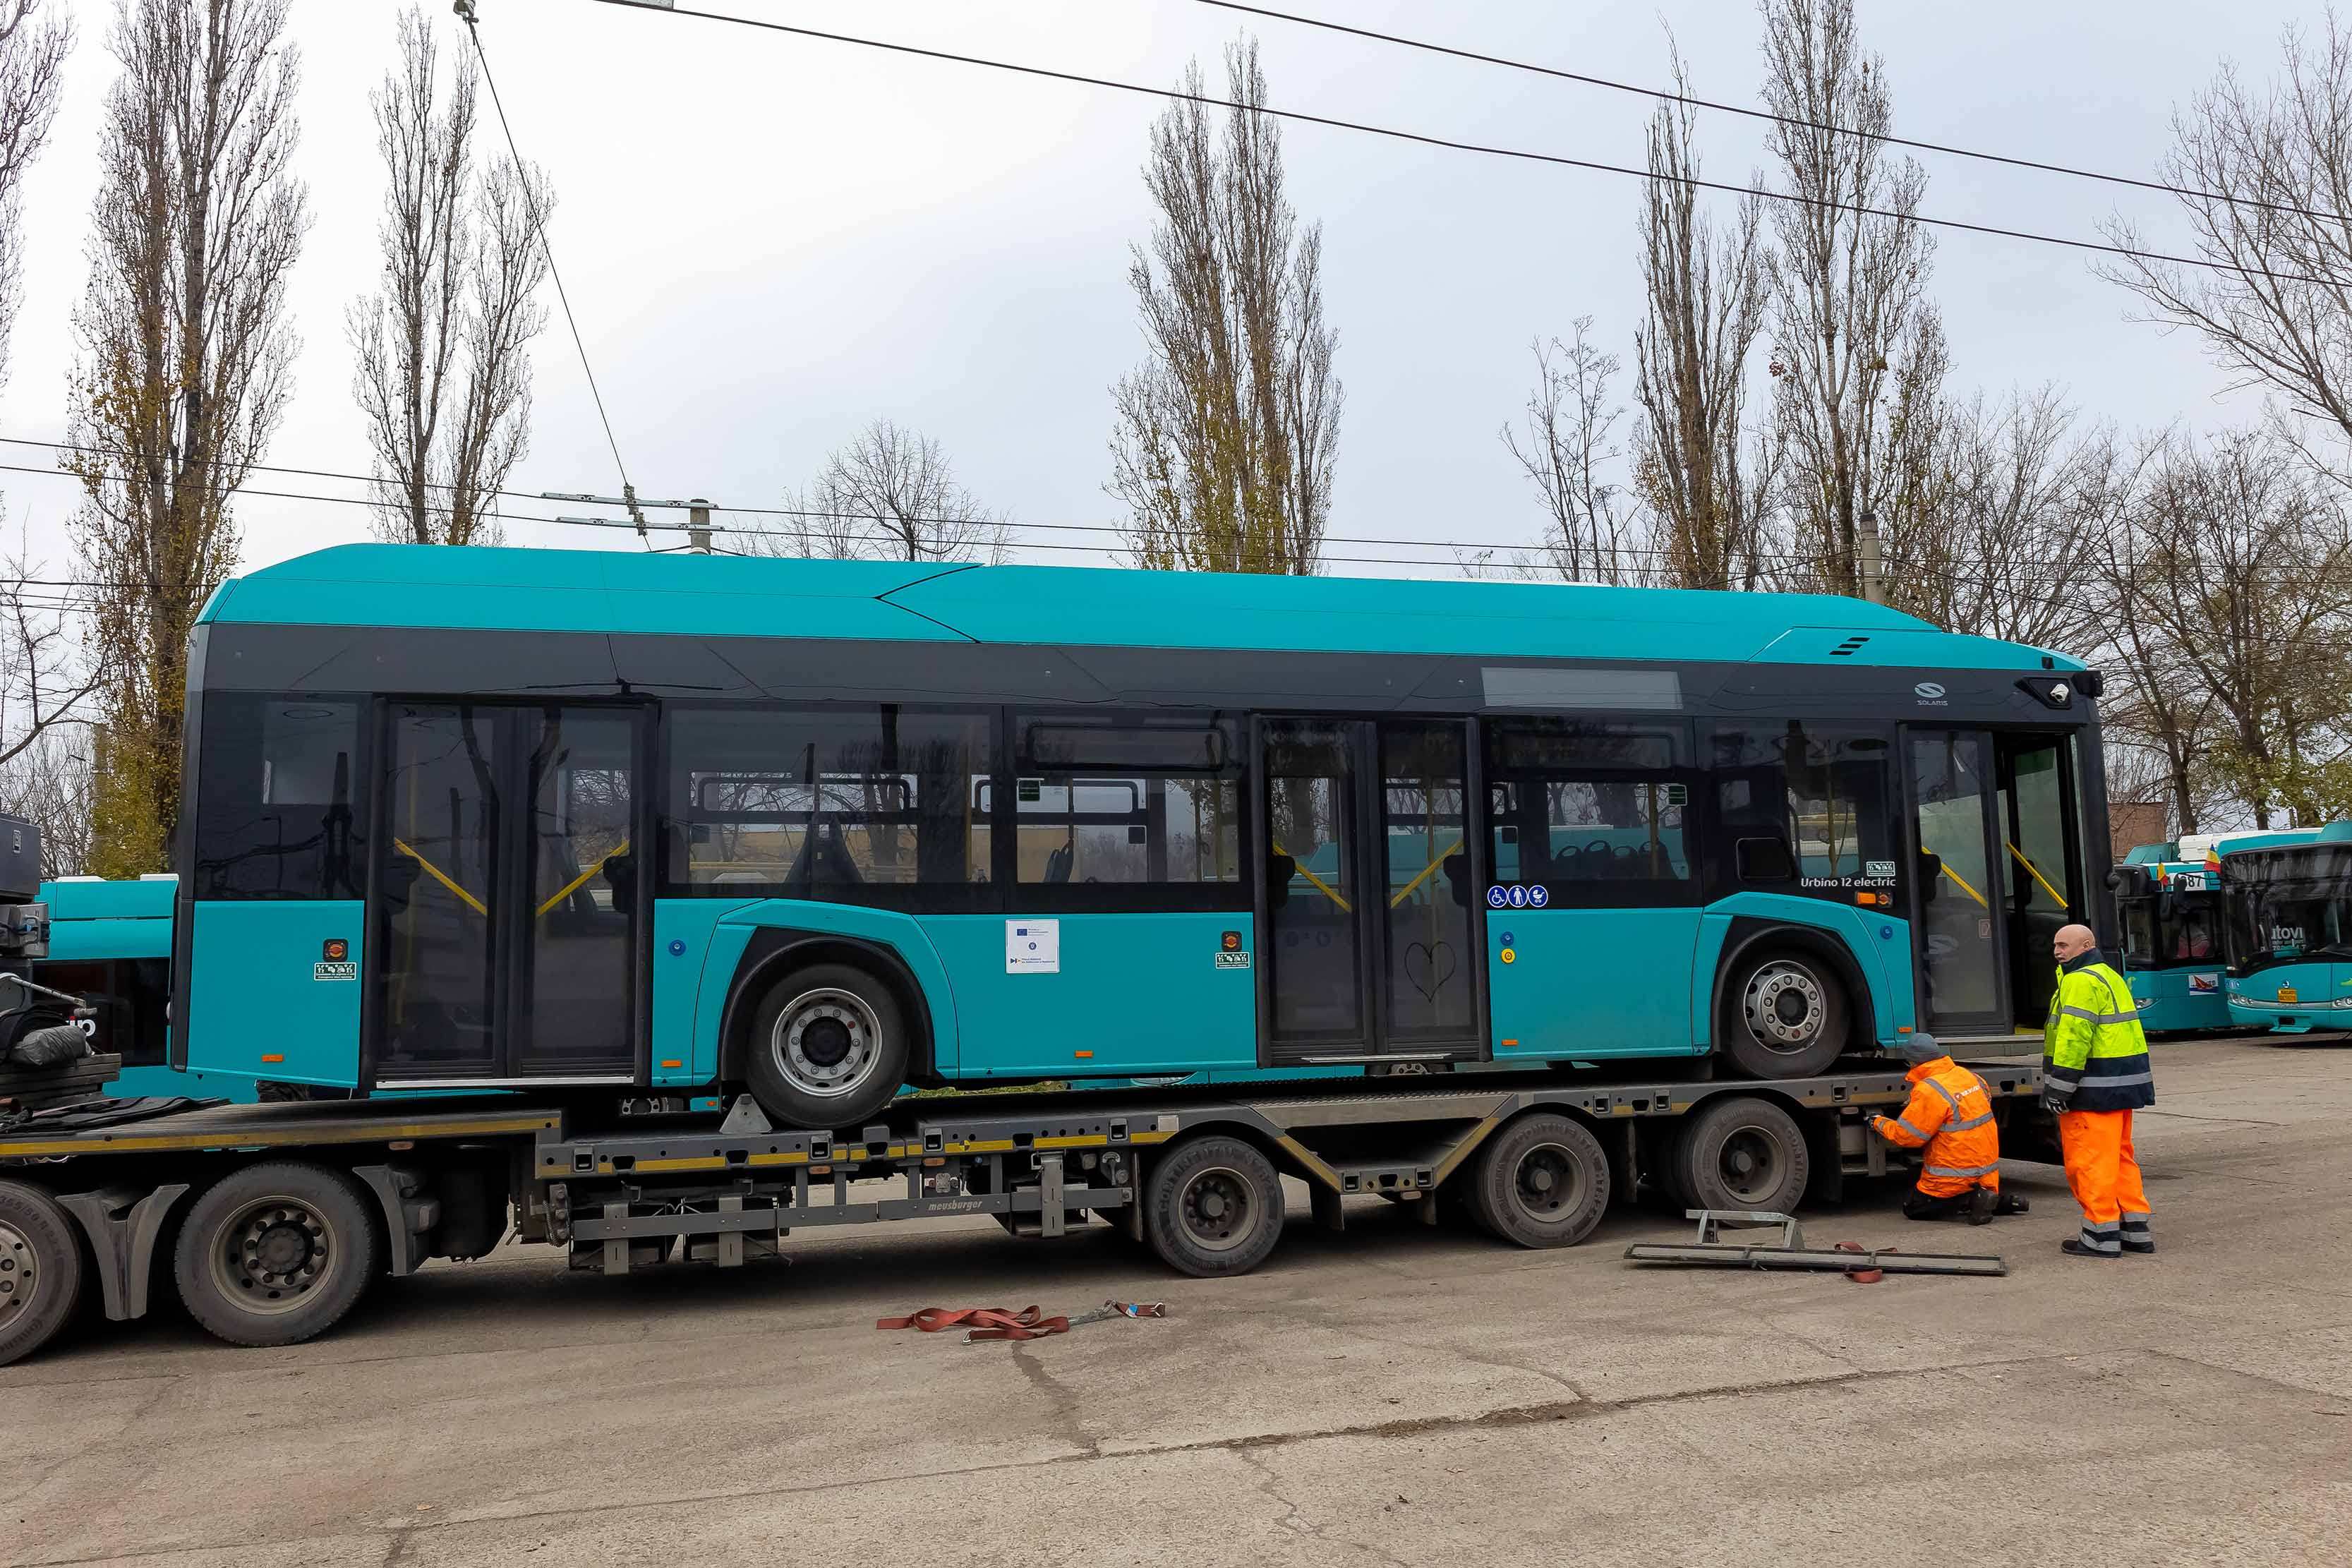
{"x":828,"y":1050}
{"x":1212,"y":1208}
{"x":1743,"y":1152}
{"x":1783,"y":1013}
{"x":276,"y":1253}
{"x":1542,"y":1180}
{"x":41,"y":1269}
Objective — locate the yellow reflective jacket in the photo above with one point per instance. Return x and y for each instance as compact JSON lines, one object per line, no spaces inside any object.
{"x":2093,"y":1050}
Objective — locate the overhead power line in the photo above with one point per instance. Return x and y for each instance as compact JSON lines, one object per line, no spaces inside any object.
{"x":1454,"y":144}
{"x":465,"y":9}
{"x":1749,"y":113}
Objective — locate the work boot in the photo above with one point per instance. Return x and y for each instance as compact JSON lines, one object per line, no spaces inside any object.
{"x":2141,"y":1249}
{"x":2012,"y":1203}
{"x":1982,"y":1205}
{"x":2073,"y":1248}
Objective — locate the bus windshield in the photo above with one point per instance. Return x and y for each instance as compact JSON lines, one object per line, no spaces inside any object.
{"x":2287,"y":906}
{"x":2165,"y":932}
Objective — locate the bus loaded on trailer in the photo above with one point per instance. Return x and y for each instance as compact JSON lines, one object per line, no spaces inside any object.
{"x":591,"y":824}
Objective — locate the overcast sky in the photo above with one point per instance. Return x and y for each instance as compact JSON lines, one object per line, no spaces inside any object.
{"x":770,"y":240}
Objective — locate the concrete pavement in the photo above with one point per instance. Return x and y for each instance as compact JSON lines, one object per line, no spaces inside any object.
{"x":1394,"y":1394}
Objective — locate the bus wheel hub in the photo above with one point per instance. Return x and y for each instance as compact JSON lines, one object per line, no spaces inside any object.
{"x":1784,"y":1004}
{"x":825,"y":1041}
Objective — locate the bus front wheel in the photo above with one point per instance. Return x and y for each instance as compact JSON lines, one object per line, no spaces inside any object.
{"x":1784,"y":1015}
{"x":828,"y":1048}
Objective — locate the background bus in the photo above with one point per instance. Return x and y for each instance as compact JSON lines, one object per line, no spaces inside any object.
{"x":2169,"y":905}
{"x":2287,"y":901}
{"x":481,"y":817}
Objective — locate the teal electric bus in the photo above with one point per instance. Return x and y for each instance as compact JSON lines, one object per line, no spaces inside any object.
{"x":2287,"y":901}
{"x":560,"y":820}
{"x":2169,"y":905}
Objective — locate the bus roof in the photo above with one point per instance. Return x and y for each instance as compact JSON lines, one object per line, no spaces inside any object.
{"x":404,"y":586}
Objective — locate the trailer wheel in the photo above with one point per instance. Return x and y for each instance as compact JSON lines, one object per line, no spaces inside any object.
{"x":1214,"y":1207}
{"x":828,"y":1050}
{"x":276,"y":1253}
{"x":41,"y":1269}
{"x":1784,"y":1015}
{"x":1542,"y":1180}
{"x":1743,"y":1152}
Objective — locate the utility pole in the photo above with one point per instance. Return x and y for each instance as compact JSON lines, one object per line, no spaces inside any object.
{"x":1867,"y":563}
{"x":697,"y":527}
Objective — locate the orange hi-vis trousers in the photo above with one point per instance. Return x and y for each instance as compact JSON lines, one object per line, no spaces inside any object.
{"x":2104,"y":1174}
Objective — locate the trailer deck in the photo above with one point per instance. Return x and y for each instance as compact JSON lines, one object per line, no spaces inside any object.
{"x":1193,"y":1171}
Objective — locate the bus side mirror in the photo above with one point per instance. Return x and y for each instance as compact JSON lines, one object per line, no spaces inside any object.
{"x":1931,"y":876}
{"x":1765,"y":861}
{"x":1279,"y":869}
{"x":1457,"y":877}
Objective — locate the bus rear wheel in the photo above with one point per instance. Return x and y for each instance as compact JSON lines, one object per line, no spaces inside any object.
{"x":828,"y":1048}
{"x":41,"y":1269}
{"x":1784,"y":1015}
{"x":276,"y":1253}
{"x":1542,"y":1180}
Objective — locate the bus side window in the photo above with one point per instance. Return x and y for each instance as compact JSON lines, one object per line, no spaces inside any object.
{"x":281,"y":803}
{"x":1110,"y":801}
{"x":1594,"y":811}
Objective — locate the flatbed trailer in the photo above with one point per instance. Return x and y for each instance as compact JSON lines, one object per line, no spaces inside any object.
{"x":271,"y":1220}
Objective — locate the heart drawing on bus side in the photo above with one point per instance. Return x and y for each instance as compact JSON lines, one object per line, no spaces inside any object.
{"x":1436,"y":967}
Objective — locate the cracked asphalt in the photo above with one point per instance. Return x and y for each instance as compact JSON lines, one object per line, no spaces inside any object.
{"x":1394,"y":1394}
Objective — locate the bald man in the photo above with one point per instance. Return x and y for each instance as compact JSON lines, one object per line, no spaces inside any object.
{"x":2094,"y":1074}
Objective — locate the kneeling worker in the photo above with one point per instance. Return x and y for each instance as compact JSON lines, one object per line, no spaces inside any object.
{"x":1950,"y":1116}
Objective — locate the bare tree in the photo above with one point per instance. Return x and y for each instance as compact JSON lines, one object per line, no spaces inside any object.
{"x":1706,"y":292}
{"x":1845,"y":286}
{"x":183,"y":363}
{"x":1995,"y":514}
{"x":49,"y":783}
{"x":890,"y":494}
{"x":443,"y":347}
{"x":2269,"y":175}
{"x":1567,"y":449}
{"x":2233,"y":582}
{"x":1224,"y":439}
{"x":33,"y":49}
{"x":45,"y":682}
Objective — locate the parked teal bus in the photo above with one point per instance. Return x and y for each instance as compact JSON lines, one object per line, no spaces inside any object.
{"x":2287,"y":901}
{"x":110,"y":944}
{"x":2170,"y":908}
{"x":562,"y":820}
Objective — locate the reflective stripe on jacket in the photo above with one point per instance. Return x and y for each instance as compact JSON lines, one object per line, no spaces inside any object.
{"x":2093,"y":1049}
{"x":1950,"y":1113}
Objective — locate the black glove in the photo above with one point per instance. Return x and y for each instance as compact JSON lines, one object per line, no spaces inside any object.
{"x":2054,"y":1099}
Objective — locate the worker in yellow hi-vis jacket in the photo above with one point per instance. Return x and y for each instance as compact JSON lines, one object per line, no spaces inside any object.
{"x":2094,"y":1074}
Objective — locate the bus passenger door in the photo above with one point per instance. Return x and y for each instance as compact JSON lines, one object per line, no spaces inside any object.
{"x":1370,"y":944}
{"x":2000,"y":870}
{"x":506,"y":909}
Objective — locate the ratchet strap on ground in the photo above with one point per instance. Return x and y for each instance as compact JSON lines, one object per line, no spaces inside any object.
{"x":1870,"y":1274}
{"x":1000,"y":1324}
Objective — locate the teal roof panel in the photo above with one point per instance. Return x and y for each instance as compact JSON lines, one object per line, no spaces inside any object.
{"x":619,"y":592}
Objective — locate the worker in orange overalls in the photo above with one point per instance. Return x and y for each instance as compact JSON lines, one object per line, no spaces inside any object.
{"x":1950,"y":1116}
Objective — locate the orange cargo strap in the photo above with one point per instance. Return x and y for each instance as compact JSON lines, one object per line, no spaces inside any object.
{"x":983,"y":1322}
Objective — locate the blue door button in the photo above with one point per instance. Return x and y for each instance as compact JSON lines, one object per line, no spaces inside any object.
{"x":677,"y":949}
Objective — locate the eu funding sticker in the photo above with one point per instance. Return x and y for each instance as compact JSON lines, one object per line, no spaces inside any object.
{"x":1033,"y":947}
